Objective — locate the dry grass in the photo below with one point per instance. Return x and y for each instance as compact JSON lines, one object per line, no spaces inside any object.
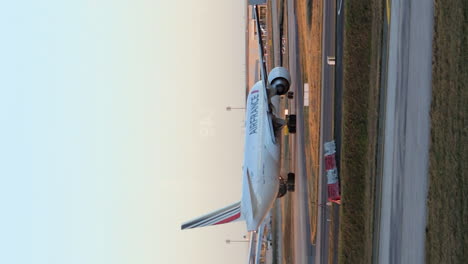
{"x":447,"y":221}
{"x":309,"y":16}
{"x":287,"y":229}
{"x":361,"y":76}
{"x":331,"y":233}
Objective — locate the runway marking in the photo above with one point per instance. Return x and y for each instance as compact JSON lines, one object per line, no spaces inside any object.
{"x":306,"y":94}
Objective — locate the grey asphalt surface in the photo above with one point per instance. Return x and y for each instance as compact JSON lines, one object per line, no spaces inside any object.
{"x":326,"y":126}
{"x":338,"y":107}
{"x":305,"y":252}
{"x":406,"y":133}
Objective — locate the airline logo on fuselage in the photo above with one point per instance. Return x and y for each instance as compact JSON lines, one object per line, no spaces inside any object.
{"x":253,"y":120}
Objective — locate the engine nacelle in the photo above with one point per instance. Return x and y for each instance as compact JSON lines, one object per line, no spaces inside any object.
{"x":279,"y":80}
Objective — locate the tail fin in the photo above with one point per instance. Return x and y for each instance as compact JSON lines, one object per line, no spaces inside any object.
{"x":228,"y":214}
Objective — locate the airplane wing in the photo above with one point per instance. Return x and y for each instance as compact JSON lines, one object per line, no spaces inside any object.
{"x":264,"y":74}
{"x":279,"y":78}
{"x":260,"y":51}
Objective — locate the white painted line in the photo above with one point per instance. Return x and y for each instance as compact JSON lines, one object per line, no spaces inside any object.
{"x":306,"y":94}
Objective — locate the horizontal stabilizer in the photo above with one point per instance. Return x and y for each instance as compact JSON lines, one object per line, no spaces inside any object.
{"x":228,"y":214}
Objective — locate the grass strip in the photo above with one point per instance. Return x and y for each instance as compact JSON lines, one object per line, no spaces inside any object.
{"x":447,"y":215}
{"x":361,"y":78}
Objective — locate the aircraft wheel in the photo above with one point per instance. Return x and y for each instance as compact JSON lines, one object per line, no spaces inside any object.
{"x":282,"y":190}
{"x":291,"y":124}
{"x":291,"y":182}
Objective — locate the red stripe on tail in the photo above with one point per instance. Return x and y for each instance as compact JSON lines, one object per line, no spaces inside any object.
{"x":229,"y":219}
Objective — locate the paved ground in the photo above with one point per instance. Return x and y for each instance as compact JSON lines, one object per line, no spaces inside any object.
{"x":327,"y":131}
{"x":338,"y":112}
{"x":406,"y":132}
{"x":406,"y":139}
{"x":305,"y":252}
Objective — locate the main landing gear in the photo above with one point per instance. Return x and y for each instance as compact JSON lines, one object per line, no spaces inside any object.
{"x":291,"y":123}
{"x":286,"y":185}
{"x":291,"y":184}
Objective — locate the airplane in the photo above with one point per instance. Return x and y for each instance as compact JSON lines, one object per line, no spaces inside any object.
{"x":261,"y":180}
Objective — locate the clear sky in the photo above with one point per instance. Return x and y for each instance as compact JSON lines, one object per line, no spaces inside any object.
{"x":114,"y":130}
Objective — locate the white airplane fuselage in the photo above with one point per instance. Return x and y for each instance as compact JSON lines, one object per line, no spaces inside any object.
{"x":261,"y":168}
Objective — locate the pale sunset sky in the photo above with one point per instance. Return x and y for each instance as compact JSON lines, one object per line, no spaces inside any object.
{"x":114,"y":130}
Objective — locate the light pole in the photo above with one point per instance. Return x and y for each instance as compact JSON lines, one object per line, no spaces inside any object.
{"x":229,"y":108}
{"x":229,"y":241}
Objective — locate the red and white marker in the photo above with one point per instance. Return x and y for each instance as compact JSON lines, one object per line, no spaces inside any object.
{"x":331,"y":172}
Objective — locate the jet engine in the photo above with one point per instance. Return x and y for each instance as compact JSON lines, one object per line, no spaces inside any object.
{"x":279,"y":80}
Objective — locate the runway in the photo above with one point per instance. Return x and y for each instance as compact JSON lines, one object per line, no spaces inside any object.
{"x":406,"y":134}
